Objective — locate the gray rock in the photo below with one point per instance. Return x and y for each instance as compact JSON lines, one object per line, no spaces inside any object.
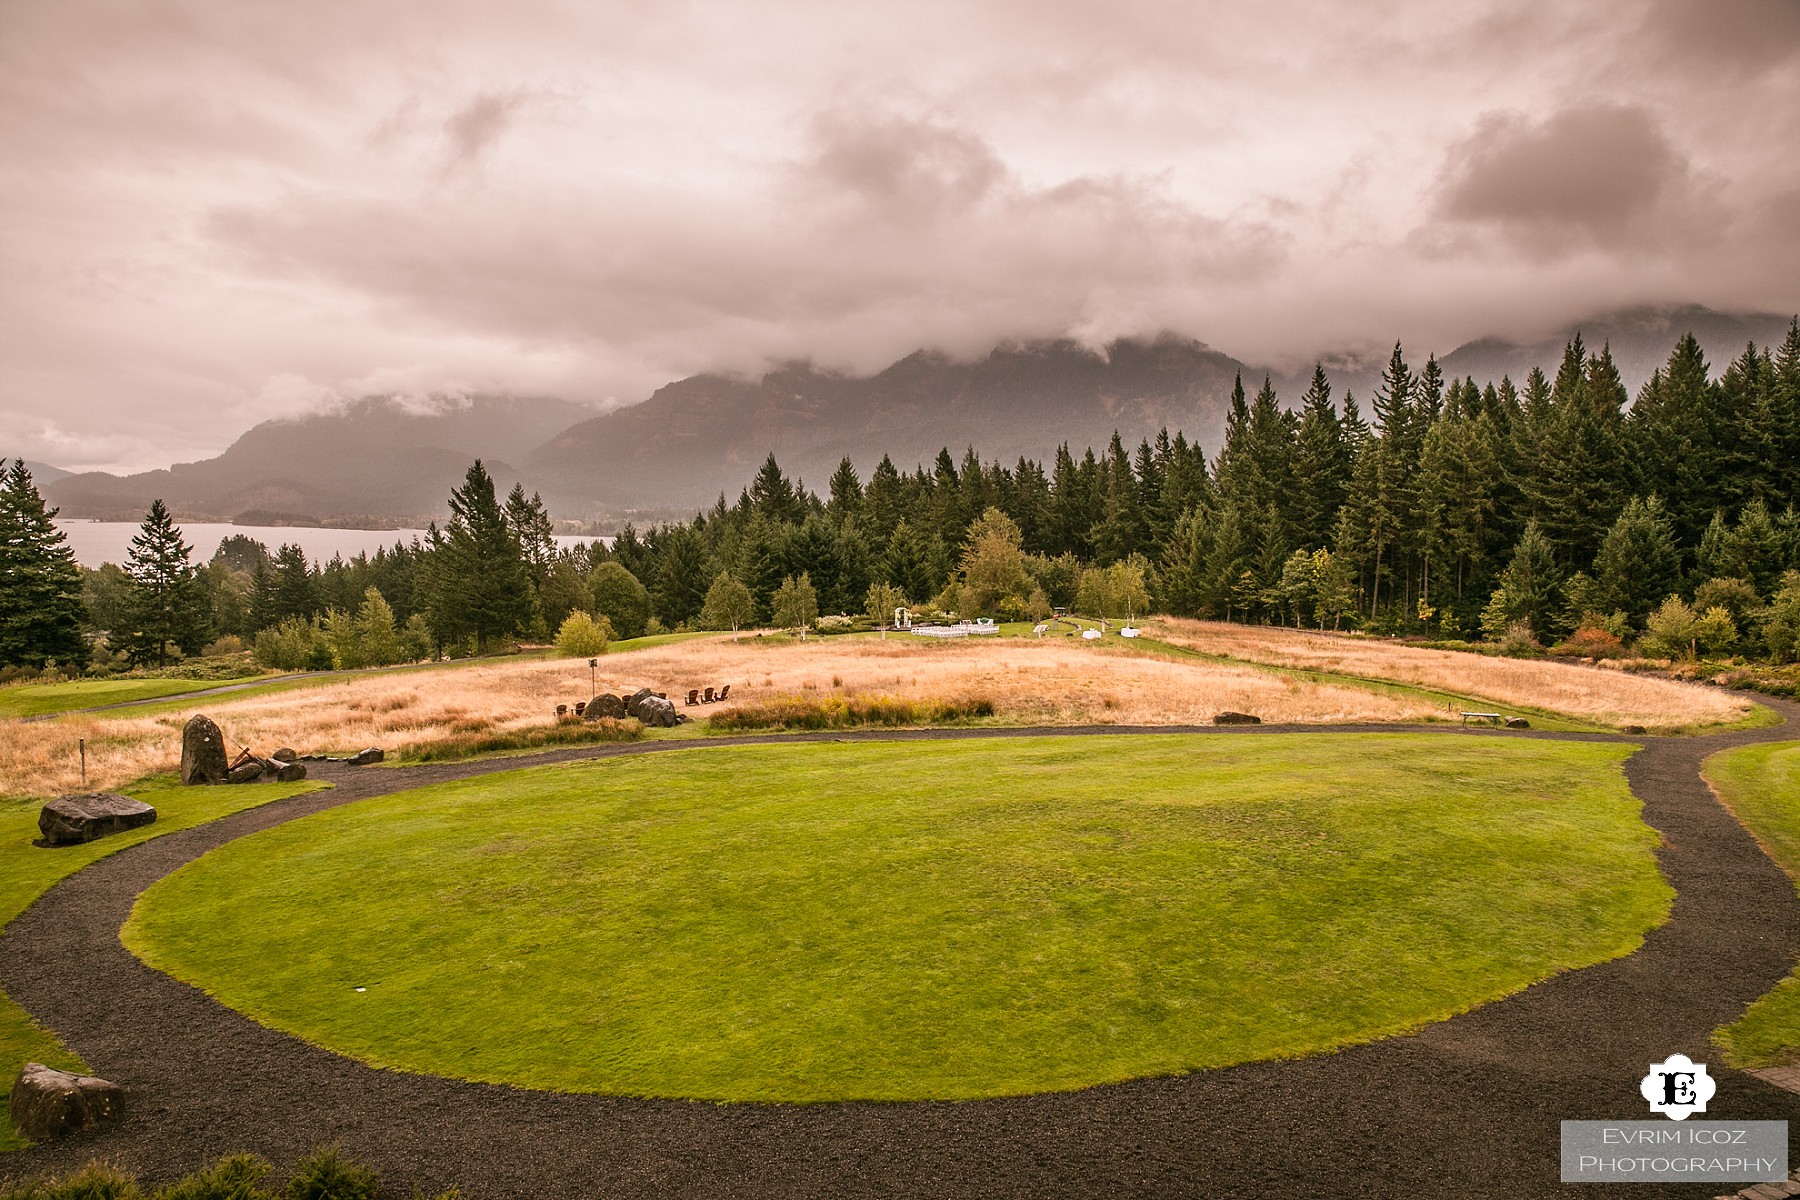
{"x":70,"y":820}
{"x":1632,"y":729}
{"x":289,"y":772}
{"x":248,"y":772}
{"x":47,"y":1103}
{"x":1236,"y":718}
{"x":285,"y":755}
{"x":202,"y":752}
{"x":361,"y":758}
{"x":605,"y":705}
{"x":656,"y":712}
{"x":1517,"y":723}
{"x":636,"y":701}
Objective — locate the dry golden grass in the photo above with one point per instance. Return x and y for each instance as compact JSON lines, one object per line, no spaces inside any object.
{"x":1057,"y":681}
{"x":1605,"y":697}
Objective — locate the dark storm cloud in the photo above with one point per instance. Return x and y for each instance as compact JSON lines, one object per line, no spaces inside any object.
{"x":1729,"y":35}
{"x":1584,"y":174}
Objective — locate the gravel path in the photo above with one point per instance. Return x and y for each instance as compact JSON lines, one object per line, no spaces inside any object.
{"x":1467,"y":1108}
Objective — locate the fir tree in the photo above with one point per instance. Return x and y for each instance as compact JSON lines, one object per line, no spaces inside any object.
{"x":480,"y":585}
{"x":41,"y":609}
{"x":168,"y":608}
{"x":1638,"y":564}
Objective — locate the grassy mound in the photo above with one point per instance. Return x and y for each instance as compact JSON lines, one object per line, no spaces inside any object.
{"x":896,"y":921}
{"x":1761,"y":786}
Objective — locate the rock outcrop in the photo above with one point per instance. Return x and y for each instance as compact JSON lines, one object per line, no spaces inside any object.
{"x":47,"y":1103}
{"x":203,"y":752}
{"x":70,"y":820}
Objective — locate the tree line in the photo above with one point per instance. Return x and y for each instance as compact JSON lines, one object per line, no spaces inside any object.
{"x":1553,"y":510}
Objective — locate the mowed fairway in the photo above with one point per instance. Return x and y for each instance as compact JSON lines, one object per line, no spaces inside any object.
{"x":905,"y":921}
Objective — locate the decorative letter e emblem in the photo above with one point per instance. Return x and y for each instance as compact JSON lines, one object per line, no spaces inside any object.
{"x":1678,"y":1087}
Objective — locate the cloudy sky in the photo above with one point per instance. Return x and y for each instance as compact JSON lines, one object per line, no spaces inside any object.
{"x":215,"y":213}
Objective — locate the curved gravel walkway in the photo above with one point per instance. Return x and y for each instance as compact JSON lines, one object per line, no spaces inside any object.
{"x":1467,"y":1108}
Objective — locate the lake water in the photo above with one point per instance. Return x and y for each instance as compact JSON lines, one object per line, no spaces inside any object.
{"x":96,"y":542}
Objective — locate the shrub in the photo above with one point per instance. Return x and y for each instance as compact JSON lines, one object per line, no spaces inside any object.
{"x":96,"y":1181}
{"x":1592,"y":641}
{"x":583,"y":636}
{"x":1518,"y":641}
{"x":839,"y":712}
{"x":328,"y":1175}
{"x":1715,"y":631}
{"x":231,"y":643}
{"x":1670,"y":630}
{"x":235,"y":1177}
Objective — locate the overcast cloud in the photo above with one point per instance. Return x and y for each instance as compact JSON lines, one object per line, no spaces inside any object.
{"x":215,"y":213}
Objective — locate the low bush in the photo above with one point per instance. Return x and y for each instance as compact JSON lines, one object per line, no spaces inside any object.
{"x":324,"y":1175}
{"x":841,"y":712}
{"x":1591,"y":641}
{"x":566,"y":732}
{"x":328,"y":1175}
{"x":234,"y":1177}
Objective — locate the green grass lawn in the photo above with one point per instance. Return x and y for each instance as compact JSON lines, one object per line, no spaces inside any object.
{"x":1761,"y":786}
{"x":896,"y":921}
{"x":27,"y":871}
{"x":41,"y":699}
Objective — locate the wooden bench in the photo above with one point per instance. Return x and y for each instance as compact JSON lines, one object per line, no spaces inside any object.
{"x":1481,"y":716}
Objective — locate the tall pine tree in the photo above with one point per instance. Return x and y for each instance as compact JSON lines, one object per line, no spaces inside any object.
{"x":168,"y":608}
{"x":40,"y":586}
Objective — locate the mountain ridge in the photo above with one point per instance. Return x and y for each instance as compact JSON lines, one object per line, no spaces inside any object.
{"x":694,"y":438}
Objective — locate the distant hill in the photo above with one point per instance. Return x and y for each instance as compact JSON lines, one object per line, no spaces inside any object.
{"x":375,"y":461}
{"x":378,"y":462}
{"x":1640,"y":339}
{"x":707,"y":434}
{"x":44,"y":473}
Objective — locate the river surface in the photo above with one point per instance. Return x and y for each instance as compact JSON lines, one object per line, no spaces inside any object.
{"x":96,"y":542}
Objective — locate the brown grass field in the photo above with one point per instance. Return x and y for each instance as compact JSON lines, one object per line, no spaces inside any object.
{"x":1053,"y":682}
{"x":1605,"y":697}
{"x":1057,"y":681}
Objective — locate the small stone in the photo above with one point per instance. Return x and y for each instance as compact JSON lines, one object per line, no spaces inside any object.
{"x":70,"y":820}
{"x":202,"y":752}
{"x":248,"y":772}
{"x":285,"y":754}
{"x":47,"y":1103}
{"x":284,"y":772}
{"x":1236,"y":718}
{"x":361,"y":758}
{"x":1517,"y":723}
{"x":1632,"y":729}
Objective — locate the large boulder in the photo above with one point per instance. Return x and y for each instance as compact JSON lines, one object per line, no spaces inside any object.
{"x":636,"y":701}
{"x":1236,"y":718}
{"x":47,"y":1103}
{"x":656,"y":712}
{"x":605,"y":705}
{"x":203,"y":752}
{"x":69,"y":820}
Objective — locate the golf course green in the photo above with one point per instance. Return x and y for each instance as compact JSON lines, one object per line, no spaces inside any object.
{"x":891,"y":921}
